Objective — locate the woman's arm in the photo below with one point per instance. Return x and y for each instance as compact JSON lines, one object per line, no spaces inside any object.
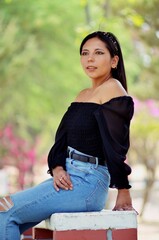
{"x":123,"y":201}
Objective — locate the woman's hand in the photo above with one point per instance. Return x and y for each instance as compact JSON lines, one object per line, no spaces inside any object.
{"x":123,"y":201}
{"x":61,"y":179}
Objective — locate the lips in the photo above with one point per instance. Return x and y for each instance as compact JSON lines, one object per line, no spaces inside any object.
{"x":91,"y":67}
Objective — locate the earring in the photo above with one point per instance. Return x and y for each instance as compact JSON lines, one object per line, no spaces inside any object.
{"x":114,"y":67}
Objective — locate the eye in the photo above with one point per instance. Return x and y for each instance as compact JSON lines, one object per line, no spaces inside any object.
{"x":99,"y":52}
{"x":84,"y":53}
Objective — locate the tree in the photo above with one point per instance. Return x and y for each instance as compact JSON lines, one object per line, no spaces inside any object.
{"x":36,"y":54}
{"x":39,"y":61}
{"x":145,"y":143}
{"x":141,"y":17}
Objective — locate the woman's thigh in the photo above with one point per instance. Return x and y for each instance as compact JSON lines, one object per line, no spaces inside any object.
{"x":91,"y":181}
{"x":39,"y":202}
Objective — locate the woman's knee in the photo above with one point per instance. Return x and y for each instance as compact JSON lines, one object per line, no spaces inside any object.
{"x":6,"y":203}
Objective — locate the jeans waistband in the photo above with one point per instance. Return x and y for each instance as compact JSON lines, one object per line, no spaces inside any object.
{"x":79,"y":156}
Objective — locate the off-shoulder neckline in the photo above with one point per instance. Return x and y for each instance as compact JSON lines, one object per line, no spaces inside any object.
{"x":107,"y":102}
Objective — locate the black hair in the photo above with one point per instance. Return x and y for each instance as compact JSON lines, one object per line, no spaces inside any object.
{"x":112,"y":44}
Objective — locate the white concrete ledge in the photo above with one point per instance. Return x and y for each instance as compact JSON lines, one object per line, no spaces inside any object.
{"x":105,"y":219}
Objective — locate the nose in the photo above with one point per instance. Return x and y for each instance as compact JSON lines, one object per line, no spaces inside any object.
{"x":90,"y":58}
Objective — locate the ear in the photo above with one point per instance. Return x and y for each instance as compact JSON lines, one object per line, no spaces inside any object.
{"x":115,"y":60}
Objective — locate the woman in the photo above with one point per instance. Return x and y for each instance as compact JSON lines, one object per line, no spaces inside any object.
{"x":90,"y":146}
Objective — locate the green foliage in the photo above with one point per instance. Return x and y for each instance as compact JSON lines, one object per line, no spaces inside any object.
{"x":37,"y":52}
{"x":40,"y":71}
{"x":141,"y":17}
{"x":145,"y":132}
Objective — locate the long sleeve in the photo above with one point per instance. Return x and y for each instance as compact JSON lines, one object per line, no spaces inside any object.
{"x":113,"y":119}
{"x":58,"y":152}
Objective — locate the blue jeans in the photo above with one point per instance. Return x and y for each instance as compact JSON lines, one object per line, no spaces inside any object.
{"x":31,"y":206}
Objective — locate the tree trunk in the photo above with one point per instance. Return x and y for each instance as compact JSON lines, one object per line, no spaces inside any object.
{"x":149,"y":184}
{"x":88,"y":15}
{"x":107,"y":8}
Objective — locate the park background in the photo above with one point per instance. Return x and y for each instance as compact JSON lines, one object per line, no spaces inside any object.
{"x":40,"y":74}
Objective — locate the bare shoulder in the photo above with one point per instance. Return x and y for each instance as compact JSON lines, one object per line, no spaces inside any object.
{"x":81,"y":94}
{"x":111,"y":89}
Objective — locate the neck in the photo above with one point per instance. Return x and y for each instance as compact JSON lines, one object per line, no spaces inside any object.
{"x":97,"y":82}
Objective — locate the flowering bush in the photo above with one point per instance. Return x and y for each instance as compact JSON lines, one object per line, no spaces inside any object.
{"x":15,"y":151}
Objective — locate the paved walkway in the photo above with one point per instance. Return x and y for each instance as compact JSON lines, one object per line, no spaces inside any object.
{"x":148,"y":231}
{"x":148,"y":228}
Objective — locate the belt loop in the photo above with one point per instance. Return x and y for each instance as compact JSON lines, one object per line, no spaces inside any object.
{"x":96,"y":162}
{"x":71,"y":153}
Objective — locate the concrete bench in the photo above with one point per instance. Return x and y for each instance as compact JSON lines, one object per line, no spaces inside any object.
{"x":104,"y":225}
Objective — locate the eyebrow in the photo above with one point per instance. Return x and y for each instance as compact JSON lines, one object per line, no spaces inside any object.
{"x":95,"y":49}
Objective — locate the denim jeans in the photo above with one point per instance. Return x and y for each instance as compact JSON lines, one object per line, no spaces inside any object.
{"x":31,"y":206}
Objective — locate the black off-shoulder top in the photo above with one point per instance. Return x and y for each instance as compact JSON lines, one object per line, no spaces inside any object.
{"x":100,"y":130}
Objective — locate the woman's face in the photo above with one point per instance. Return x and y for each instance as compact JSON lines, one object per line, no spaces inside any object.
{"x":96,"y":59}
